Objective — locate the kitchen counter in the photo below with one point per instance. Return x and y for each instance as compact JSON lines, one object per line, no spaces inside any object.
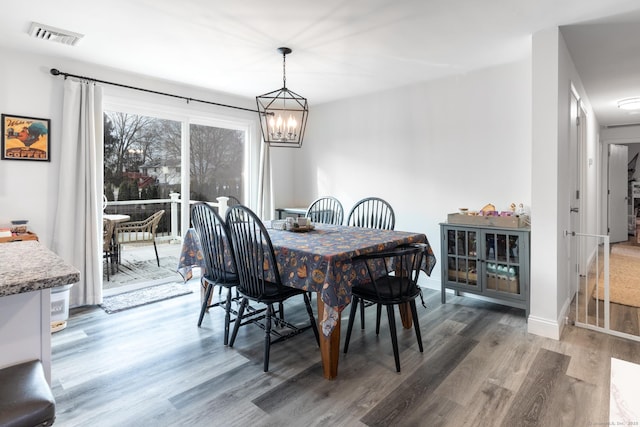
{"x":27,"y":266}
{"x":28,"y":271}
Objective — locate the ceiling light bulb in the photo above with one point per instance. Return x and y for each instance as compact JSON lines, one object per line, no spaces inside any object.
{"x":629,"y":104}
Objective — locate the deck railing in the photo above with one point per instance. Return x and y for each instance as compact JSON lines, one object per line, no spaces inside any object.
{"x":169,"y":227}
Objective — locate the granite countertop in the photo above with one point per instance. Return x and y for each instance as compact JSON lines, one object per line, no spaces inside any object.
{"x":29,"y":266}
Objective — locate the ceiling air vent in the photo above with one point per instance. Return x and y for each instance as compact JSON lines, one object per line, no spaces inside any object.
{"x":46,"y":32}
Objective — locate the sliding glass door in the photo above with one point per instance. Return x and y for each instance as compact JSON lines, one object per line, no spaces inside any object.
{"x":162,"y":161}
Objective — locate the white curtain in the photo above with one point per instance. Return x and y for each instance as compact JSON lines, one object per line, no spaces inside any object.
{"x":77,"y":234}
{"x":265,"y":185}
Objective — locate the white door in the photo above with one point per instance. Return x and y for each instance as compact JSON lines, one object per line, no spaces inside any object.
{"x":575,"y":151}
{"x":617,"y":189}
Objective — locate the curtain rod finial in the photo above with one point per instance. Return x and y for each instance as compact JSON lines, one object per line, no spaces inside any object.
{"x":55,"y":72}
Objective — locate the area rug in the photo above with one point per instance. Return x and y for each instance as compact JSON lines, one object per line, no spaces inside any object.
{"x":127,"y":300}
{"x":624,"y":280}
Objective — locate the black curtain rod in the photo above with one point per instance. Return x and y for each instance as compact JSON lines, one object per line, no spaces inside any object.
{"x":56,"y":72}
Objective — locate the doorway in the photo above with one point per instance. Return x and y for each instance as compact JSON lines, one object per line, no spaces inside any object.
{"x":162,"y":161}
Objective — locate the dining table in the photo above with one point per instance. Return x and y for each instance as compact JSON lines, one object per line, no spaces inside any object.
{"x":117,"y":218}
{"x":320,"y":260}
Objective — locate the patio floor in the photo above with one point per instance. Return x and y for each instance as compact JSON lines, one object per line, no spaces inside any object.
{"x":139,"y":268}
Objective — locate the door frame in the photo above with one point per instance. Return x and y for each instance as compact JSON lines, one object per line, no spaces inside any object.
{"x":577,"y":156}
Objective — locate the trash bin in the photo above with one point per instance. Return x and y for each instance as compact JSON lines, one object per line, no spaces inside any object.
{"x":59,"y":307}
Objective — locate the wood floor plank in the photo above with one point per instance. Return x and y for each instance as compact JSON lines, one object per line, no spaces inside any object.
{"x":488,"y":407}
{"x":431,"y":410}
{"x":535,"y":397}
{"x":589,"y":351}
{"x":464,"y":384}
{"x":565,"y":402}
{"x":402,"y":402}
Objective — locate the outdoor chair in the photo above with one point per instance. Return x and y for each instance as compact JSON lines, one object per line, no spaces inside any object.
{"x":219,"y":263}
{"x":140,"y":232}
{"x":326,"y":210}
{"x":259,"y":279}
{"x":393,"y":277}
{"x":371,"y":212}
{"x":108,"y":253}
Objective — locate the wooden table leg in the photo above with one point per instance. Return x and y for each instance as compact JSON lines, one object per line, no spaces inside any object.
{"x":329,"y":346}
{"x":405,"y":315}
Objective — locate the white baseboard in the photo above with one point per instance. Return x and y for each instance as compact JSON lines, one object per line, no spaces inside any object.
{"x":544,"y":327}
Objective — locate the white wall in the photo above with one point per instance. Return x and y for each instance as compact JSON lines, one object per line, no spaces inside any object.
{"x":28,"y":190}
{"x":428,"y":149}
{"x":569,"y":77}
{"x":553,"y":75}
{"x":545,"y":234}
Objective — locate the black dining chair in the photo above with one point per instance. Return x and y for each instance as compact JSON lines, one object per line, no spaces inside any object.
{"x":326,"y":210}
{"x":371,"y":212}
{"x":259,"y":279}
{"x":219,"y":263}
{"x":393,"y":277}
{"x":233,"y":201}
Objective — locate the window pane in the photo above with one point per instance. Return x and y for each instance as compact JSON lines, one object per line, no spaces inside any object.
{"x":141,"y":157}
{"x":217,"y":161}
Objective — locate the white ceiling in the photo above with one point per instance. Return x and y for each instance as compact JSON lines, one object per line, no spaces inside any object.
{"x":607,"y":55}
{"x":341,"y":48}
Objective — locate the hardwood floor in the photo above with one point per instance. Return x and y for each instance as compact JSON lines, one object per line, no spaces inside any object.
{"x":152,"y":366}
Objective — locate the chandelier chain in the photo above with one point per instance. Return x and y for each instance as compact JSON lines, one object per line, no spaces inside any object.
{"x":284,"y":70}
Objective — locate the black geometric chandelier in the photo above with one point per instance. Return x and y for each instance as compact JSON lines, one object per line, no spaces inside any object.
{"x":283,"y":113}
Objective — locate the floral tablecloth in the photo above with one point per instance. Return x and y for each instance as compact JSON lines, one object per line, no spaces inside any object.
{"x":320,"y":260}
{"x":190,"y":255}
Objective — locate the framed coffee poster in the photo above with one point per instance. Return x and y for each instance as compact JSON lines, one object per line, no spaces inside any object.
{"x":25,"y":138}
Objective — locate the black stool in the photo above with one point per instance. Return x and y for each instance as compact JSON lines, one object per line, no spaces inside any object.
{"x":25,"y":396}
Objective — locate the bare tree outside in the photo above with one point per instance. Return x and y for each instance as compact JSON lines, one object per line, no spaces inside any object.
{"x":142,"y":158}
{"x":217,"y":159}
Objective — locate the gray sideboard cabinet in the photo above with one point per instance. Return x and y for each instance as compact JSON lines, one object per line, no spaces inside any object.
{"x":489,"y":261}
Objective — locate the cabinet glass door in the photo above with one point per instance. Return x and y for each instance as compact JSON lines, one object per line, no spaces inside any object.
{"x":502,"y":262}
{"x":462,"y":257}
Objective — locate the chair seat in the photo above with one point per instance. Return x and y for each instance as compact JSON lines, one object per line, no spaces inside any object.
{"x":223,"y":278}
{"x":25,"y":396}
{"x":134,"y":236}
{"x":402,"y":291}
{"x":274,"y":293}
